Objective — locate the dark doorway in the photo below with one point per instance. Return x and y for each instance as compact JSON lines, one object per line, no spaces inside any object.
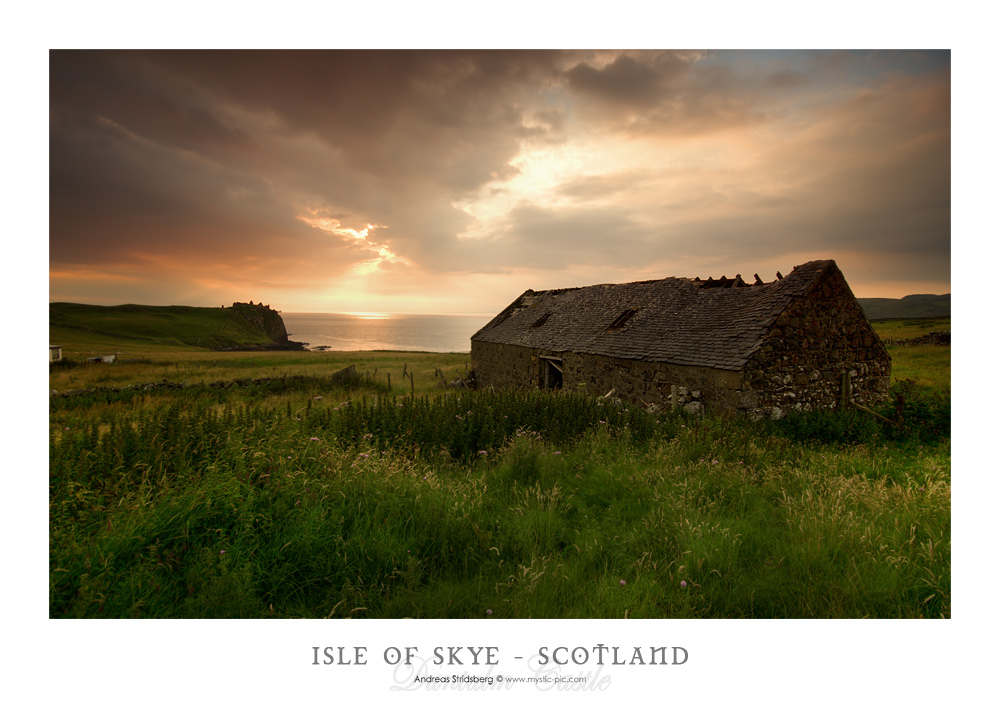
{"x":550,"y":373}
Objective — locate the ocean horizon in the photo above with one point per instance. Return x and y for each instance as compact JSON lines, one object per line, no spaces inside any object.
{"x":341,"y":331}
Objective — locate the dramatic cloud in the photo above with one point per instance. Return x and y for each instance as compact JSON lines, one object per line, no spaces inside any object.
{"x":450,"y":181}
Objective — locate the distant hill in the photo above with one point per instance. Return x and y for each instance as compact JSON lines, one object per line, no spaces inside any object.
{"x":880,"y":308}
{"x":241,"y":326}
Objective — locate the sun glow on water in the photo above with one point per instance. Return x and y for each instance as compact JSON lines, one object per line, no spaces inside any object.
{"x":371,"y":315}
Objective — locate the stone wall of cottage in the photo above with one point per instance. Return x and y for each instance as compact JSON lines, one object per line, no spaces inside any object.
{"x":815,"y":342}
{"x":503,"y":366}
{"x":695,"y":389}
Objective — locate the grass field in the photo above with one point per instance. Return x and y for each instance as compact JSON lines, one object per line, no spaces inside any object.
{"x":301,"y":498}
{"x":911,"y":328}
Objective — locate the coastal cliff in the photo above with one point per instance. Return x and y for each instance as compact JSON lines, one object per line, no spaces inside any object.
{"x":262,"y":318}
{"x":240,"y":326}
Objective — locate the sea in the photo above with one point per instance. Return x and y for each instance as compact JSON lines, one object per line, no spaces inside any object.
{"x":379,"y":331}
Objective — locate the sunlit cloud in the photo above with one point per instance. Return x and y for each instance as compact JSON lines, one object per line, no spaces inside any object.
{"x":382,"y":253}
{"x":334,"y":226}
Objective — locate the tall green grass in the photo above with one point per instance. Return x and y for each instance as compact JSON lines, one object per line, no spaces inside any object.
{"x":355,"y":503}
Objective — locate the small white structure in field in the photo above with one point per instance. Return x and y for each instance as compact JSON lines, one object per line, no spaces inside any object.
{"x":55,"y":353}
{"x":104,"y":359}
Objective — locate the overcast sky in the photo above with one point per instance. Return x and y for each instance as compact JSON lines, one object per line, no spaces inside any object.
{"x":450,"y":182}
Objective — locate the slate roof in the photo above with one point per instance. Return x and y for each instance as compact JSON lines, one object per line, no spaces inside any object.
{"x":678,"y":320}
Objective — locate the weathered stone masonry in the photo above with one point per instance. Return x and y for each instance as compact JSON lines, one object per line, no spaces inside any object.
{"x":819,"y":339}
{"x":798,"y":343}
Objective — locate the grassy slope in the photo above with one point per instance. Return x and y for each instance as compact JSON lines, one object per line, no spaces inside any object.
{"x":928,"y":365}
{"x":81,"y":328}
{"x":911,"y":328}
{"x":909,"y":306}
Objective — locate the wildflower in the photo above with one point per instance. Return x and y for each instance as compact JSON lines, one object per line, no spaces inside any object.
{"x":715,"y":462}
{"x":482,"y":452}
{"x":489,"y":613}
{"x":222,"y":553}
{"x":622,"y":583}
{"x":684,"y":584}
{"x":363,"y":455}
{"x":318,"y":398}
{"x":313,"y":439}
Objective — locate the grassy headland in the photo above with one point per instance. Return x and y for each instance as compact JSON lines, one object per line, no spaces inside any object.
{"x":81,"y":328}
{"x":299,"y":497}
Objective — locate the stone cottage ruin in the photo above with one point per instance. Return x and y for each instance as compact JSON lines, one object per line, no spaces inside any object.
{"x":723,"y":346}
